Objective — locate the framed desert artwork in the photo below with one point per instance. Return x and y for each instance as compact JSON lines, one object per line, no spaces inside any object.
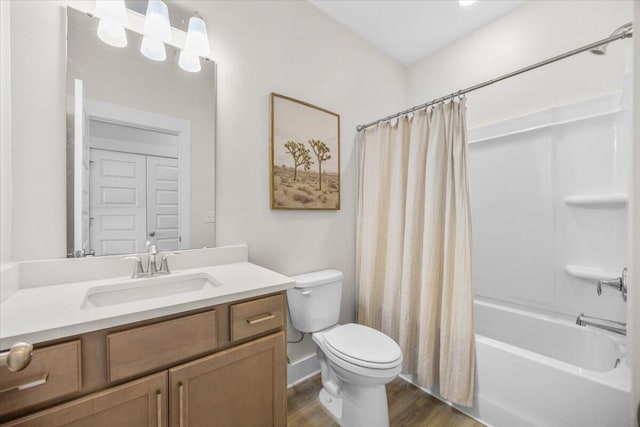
{"x":305,"y":155}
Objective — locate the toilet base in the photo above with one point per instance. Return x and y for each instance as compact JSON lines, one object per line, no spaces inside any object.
{"x":359,"y":406}
{"x":331,"y":404}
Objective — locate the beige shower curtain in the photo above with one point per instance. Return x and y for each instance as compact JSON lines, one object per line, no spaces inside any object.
{"x":414,"y":245}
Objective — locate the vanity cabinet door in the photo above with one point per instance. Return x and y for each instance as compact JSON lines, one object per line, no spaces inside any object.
{"x":242,"y":386}
{"x":141,"y":403}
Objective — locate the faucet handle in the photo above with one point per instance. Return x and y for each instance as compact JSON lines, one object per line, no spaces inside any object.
{"x":619,"y":283}
{"x":164,"y":264}
{"x":138,"y":270}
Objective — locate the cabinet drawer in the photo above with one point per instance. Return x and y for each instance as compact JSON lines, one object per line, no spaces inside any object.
{"x":54,"y":372}
{"x":257,"y":316}
{"x":148,"y":348}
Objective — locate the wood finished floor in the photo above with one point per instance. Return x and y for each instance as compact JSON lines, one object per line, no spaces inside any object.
{"x":408,"y":407}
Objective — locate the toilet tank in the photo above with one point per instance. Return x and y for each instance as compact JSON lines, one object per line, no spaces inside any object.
{"x":314,"y":303}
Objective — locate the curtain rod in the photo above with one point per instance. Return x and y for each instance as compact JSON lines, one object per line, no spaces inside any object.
{"x":626,"y":33}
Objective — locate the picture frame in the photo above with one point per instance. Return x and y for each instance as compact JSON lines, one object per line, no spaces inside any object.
{"x":305,"y":156}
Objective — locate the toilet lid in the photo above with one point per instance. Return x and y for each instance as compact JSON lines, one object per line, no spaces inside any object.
{"x":360,"y":344}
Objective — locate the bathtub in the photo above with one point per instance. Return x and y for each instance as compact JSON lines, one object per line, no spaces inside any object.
{"x":534,"y":370}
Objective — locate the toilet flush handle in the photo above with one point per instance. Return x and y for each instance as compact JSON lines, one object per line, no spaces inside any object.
{"x":306,"y":292}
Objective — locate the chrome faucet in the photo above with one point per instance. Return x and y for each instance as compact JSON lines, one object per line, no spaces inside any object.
{"x":619,"y":283}
{"x":152,"y":264}
{"x":607,"y":325}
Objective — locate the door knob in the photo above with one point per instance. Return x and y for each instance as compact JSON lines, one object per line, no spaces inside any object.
{"x":18,"y":357}
{"x":152,"y":233}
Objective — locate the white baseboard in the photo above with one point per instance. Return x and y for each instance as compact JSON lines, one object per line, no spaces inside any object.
{"x":301,"y":370}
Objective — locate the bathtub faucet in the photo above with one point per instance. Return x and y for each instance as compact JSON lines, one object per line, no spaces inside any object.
{"x":607,"y":325}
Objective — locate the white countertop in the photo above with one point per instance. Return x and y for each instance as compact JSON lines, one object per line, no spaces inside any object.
{"x":50,"y":312}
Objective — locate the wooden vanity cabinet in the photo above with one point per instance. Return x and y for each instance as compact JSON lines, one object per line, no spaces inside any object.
{"x":218,"y":366}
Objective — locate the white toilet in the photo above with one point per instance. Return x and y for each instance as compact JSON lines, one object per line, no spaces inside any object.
{"x":355,"y":361}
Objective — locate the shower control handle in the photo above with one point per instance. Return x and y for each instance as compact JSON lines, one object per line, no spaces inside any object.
{"x":619,"y":283}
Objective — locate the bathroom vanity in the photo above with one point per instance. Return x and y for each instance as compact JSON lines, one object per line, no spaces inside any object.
{"x":219,"y":356}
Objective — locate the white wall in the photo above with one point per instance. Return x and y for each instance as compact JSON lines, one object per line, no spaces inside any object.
{"x":294,"y":49}
{"x":533,"y":32}
{"x":260,"y":47}
{"x":5,"y":133}
{"x":38,"y":130}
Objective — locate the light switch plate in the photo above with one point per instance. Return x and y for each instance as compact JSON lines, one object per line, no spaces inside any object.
{"x":209,"y":217}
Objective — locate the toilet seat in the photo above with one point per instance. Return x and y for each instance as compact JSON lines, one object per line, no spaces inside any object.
{"x":363,"y":346}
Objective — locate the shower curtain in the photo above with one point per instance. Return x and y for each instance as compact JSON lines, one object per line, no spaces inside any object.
{"x":414,"y":245}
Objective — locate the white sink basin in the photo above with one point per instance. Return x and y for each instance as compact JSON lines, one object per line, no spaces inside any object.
{"x":146,"y":288}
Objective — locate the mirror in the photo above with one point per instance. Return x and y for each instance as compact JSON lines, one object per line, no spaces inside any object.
{"x":140,"y":147}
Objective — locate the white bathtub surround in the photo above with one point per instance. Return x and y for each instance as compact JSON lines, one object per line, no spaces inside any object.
{"x":634,"y":244}
{"x":558,"y":223}
{"x":414,"y":245}
{"x":540,"y":370}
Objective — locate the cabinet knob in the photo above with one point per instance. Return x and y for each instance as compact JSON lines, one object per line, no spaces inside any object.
{"x":18,"y":356}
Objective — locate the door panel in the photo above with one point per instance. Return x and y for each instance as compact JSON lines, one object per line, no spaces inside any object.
{"x":242,"y":386}
{"x":141,"y":403}
{"x":163,"y":202}
{"x":118,"y":198}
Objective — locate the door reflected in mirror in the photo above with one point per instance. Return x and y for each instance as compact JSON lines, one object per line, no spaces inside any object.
{"x":140,"y":147}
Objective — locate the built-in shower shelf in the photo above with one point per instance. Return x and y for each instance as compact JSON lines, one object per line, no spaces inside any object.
{"x":597,"y":199}
{"x":594,"y":273}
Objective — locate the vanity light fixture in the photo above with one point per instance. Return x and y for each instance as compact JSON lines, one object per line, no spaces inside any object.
{"x":197,"y":45}
{"x":466,"y":2}
{"x":157,"y":31}
{"x":113,"y":18}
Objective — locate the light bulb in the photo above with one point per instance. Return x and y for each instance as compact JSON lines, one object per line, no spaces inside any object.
{"x":156,"y":21}
{"x":114,"y":11}
{"x":189,"y":61}
{"x":197,"y":38}
{"x":466,"y":2}
{"x":153,"y":49}
{"x":112,"y":33}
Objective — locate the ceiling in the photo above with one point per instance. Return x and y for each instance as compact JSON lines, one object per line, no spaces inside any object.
{"x":409,"y":30}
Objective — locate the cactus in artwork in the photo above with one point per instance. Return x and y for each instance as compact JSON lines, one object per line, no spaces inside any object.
{"x":300,"y":155}
{"x":321,"y":151}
